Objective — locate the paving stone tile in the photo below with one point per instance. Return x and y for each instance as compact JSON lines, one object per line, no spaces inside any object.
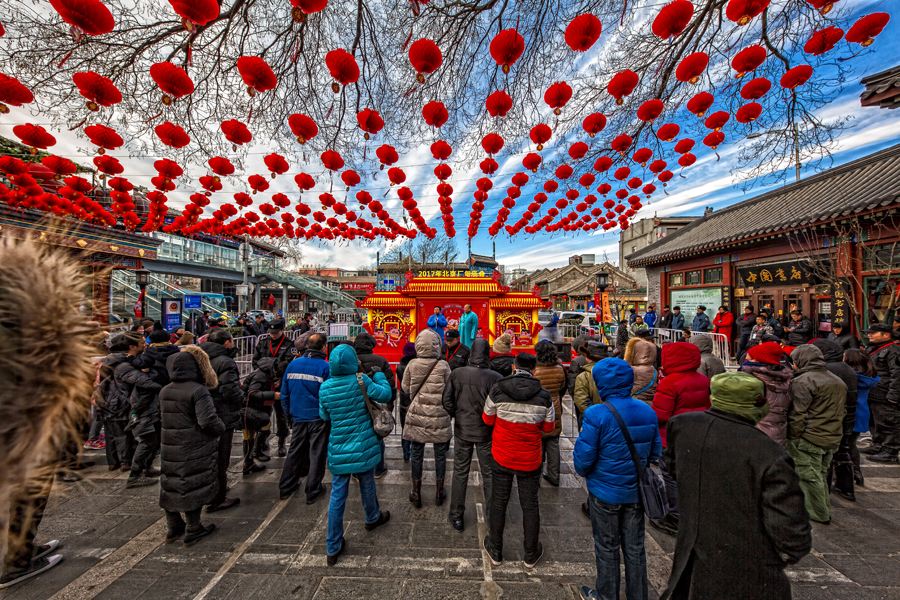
{"x":240,"y":586}
{"x":875,"y":571}
{"x":339,"y":587}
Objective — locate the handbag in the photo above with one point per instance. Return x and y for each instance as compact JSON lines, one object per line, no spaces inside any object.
{"x":651,"y":485}
{"x":382,"y":418}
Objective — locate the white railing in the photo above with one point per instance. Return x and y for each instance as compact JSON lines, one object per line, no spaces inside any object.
{"x":720,"y":344}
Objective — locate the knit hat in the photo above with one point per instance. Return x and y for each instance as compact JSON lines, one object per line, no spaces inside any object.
{"x":739,"y":394}
{"x":769,"y":353}
{"x":503,"y":344}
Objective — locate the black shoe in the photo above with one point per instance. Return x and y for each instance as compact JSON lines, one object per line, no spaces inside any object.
{"x":140,"y":481}
{"x":858,"y":478}
{"x":253,"y":467}
{"x":262,"y":456}
{"x":531,"y":562}
{"x":174,"y":536}
{"x":151,"y":472}
{"x":224,"y":504}
{"x":192,"y":537}
{"x":845,"y":495}
{"x":873,"y":449}
{"x":311,"y":498}
{"x":551,"y":481}
{"x":587,"y":593}
{"x":457,"y":522}
{"x":331,"y":560}
{"x":383,"y":518}
{"x":45,"y":549}
{"x":285,"y":494}
{"x":886,"y":455}
{"x":282,"y":451}
{"x":828,"y":522}
{"x":496,"y":557}
{"x":114,"y":466}
{"x":380,"y":474}
{"x":36,"y":567}
{"x":125,"y":468}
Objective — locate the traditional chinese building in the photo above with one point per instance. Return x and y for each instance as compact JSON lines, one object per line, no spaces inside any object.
{"x":827,"y":245}
{"x":395,"y":316}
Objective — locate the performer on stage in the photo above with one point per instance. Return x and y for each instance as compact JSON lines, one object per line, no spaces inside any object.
{"x":438,"y":322}
{"x":468,"y":326}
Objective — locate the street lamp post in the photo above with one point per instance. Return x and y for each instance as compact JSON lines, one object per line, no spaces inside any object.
{"x":142,"y":278}
{"x":602,"y":284}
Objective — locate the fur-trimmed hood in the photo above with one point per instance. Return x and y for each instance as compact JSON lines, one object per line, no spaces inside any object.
{"x":191,"y":363}
{"x":640,"y":352}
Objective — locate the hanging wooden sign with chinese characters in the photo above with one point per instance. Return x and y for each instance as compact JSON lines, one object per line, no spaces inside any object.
{"x":784,"y":273}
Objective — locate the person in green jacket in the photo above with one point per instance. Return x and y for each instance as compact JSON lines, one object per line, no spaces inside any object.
{"x":353,"y":447}
{"x":468,"y":327}
{"x":818,"y":399}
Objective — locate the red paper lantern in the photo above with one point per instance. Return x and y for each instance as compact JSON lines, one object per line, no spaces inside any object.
{"x":717,"y":120}
{"x":258,"y":76}
{"x":104,"y":137}
{"x":642,"y":155}
{"x":498,"y":104}
{"x":540,"y":134}
{"x":742,"y":11}
{"x":823,"y":6}
{"x":172,"y":80}
{"x":386,"y":154}
{"x":506,"y":48}
{"x":622,"y":173}
{"x":668,"y":132}
{"x":59,"y":165}
{"x":109,"y":165}
{"x":34,"y":136}
{"x":621,"y":143}
{"x":622,"y":84}
{"x":369,"y":121}
{"x":303,"y":127}
{"x":350,"y":178}
{"x":583,"y":32}
{"x":489,"y":166}
{"x":425,"y":57}
{"x":691,"y":67}
{"x":332,"y":160}
{"x":441,"y":150}
{"x":866,"y":28}
{"x":756,"y":88}
{"x":796,"y":76}
{"x":168,"y":168}
{"x":532,"y":161}
{"x":97,"y":89}
{"x":557,"y":95}
{"x":13,"y":93}
{"x":396,"y":175}
{"x":90,"y":17}
{"x":195,"y":12}
{"x":748,"y":112}
{"x":435,"y":113}
{"x":602,"y":164}
{"x":748,"y":59}
{"x":672,"y":19}
{"x":684,"y":145}
{"x":578,"y":150}
{"x":276,"y":163}
{"x":257,"y":183}
{"x":443,"y":172}
{"x":587,"y":180}
{"x":687,"y":160}
{"x":713,"y":139}
{"x":650,"y":110}
{"x":700,"y":103}
{"x":657,"y":165}
{"x":665,"y":177}
{"x":634,"y":183}
{"x":220,"y":166}
{"x":492,"y":143}
{"x":563,"y":171}
{"x":823,"y":40}
{"x":304,"y":181}
{"x":594,"y":123}
{"x":550,"y":186}
{"x":301,"y":8}
{"x":343,"y":68}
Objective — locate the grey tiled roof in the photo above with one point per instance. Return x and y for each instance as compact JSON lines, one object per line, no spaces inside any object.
{"x":882,"y":89}
{"x":871,"y":183}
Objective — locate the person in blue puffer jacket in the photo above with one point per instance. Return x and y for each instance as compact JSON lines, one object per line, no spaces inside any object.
{"x":353,"y":447}
{"x":603,"y":458}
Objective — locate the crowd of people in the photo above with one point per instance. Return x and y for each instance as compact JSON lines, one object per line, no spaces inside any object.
{"x":776,"y":437}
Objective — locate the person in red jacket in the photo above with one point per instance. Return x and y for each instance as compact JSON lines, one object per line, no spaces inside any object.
{"x":681,"y":390}
{"x":723,"y":323}
{"x":520,"y":411}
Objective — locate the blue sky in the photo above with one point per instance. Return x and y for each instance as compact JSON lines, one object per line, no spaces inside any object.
{"x":709,"y":182}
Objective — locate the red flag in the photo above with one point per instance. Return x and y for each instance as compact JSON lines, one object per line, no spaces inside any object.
{"x":138,"y":313}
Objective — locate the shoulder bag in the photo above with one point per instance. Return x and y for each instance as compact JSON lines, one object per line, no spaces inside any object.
{"x":651,"y":485}
{"x":382,"y":418}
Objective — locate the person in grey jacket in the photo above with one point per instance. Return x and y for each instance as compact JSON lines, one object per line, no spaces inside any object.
{"x":463,"y":400}
{"x":427,"y":422}
{"x":677,"y":319}
{"x":701,"y":323}
{"x":710,"y":364}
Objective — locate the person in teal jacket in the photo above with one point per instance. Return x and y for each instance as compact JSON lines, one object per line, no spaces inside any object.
{"x":468,"y":327}
{"x":353,"y":447}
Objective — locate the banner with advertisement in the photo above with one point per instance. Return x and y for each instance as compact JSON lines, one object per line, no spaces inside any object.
{"x":690,"y":299}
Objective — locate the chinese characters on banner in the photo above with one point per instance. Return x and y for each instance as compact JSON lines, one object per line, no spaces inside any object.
{"x":785,"y":273}
{"x":841,"y":307}
{"x":450,"y":273}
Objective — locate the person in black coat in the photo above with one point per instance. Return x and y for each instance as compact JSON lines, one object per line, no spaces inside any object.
{"x":277,"y":346}
{"x":260,"y":397}
{"x":370,"y":363}
{"x":228,"y":399}
{"x":113,"y":398}
{"x":454,"y":352}
{"x":745,"y":324}
{"x":463,"y":400}
{"x":190,"y":439}
{"x":842,"y":336}
{"x":800,"y":329}
{"x":409,"y":353}
{"x":840,"y":473}
{"x":742,"y":514}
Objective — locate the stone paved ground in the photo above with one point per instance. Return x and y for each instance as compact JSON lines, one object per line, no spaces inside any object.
{"x":269,"y":549}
